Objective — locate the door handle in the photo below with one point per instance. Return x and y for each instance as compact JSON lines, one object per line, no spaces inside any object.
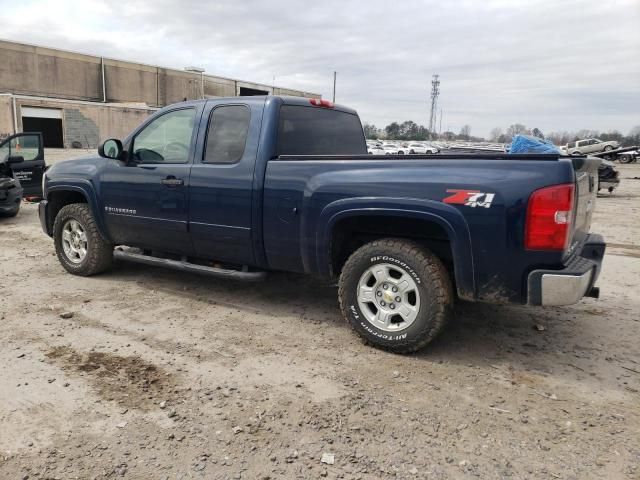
{"x":172,"y":181}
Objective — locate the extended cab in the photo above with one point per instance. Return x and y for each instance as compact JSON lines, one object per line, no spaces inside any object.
{"x":235,"y":187}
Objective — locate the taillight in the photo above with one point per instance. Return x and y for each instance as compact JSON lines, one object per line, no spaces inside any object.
{"x":320,"y":103}
{"x":549,"y":217}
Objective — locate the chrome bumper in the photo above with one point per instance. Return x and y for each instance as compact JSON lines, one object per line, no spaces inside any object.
{"x":568,"y":285}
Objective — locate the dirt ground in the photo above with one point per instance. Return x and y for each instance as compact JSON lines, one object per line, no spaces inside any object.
{"x":157,"y":374}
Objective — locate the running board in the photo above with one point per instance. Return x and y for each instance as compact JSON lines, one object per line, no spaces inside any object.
{"x":184,"y":266}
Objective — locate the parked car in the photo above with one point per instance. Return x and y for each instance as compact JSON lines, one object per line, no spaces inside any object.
{"x":375,"y":150}
{"x":390,"y":149}
{"x":590,"y":145}
{"x":235,"y":187}
{"x":10,"y":188}
{"x":421,"y":148}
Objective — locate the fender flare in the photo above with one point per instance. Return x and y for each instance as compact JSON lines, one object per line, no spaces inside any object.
{"x":446,"y":216}
{"x":85,"y":188}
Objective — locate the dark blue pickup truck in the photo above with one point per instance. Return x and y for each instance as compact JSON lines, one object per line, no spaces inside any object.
{"x":235,"y":187}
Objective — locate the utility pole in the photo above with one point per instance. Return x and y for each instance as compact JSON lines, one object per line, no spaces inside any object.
{"x":435,"y":91}
{"x":334,"y":86}
{"x":440,"y":130}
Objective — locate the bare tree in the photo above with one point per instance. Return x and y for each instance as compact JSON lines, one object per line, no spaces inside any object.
{"x":517,"y":129}
{"x":495,"y":134}
{"x":465,"y":132}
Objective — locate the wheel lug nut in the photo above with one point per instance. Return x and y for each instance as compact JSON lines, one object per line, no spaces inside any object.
{"x":392,"y":306}
{"x":398,"y":299}
{"x":395,"y":289}
{"x":379,"y":294}
{"x":382,"y":303}
{"x":385,"y":286}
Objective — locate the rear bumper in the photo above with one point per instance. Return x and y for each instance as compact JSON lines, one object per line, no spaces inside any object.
{"x":576,"y":280}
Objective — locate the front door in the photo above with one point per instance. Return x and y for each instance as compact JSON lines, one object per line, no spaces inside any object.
{"x":29,"y":173}
{"x":145,"y":200}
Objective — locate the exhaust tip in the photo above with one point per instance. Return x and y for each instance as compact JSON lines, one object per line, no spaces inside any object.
{"x":594,"y":292}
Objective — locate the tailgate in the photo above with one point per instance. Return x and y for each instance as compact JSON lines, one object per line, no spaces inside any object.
{"x":586,"y":170}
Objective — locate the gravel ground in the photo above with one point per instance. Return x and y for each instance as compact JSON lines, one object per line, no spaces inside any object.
{"x":149,"y":373}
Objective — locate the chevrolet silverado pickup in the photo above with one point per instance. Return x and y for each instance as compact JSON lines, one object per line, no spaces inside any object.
{"x":237,"y":187}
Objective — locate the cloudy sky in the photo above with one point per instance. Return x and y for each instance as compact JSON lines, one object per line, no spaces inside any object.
{"x":554,"y":64}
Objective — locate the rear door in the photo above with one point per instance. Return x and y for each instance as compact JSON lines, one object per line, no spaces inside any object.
{"x":29,"y":146}
{"x":221,"y":184}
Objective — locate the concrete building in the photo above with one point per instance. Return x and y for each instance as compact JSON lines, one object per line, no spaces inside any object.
{"x":78,"y":100}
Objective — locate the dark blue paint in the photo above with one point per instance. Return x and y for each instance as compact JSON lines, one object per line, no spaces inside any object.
{"x":279,"y":214}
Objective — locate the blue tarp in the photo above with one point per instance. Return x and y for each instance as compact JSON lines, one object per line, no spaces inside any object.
{"x":529,"y":144}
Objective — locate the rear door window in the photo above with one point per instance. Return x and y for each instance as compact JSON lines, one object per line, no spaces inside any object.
{"x":227,"y":134}
{"x":319,"y":131}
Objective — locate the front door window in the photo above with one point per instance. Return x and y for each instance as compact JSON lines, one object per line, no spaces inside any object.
{"x":167,"y":139}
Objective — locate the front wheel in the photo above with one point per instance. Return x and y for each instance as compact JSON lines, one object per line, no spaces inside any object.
{"x":395,"y":294}
{"x":80,"y":248}
{"x":608,"y":148}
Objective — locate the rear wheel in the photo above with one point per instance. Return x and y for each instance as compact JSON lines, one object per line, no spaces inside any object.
{"x":80,"y":248}
{"x":395,"y":294}
{"x":608,"y":148}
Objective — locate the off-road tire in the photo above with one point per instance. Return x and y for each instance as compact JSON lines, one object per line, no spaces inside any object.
{"x":99,"y":252}
{"x":433,"y":282}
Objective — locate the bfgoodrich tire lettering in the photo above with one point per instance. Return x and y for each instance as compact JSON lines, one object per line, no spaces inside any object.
{"x":99,"y":252}
{"x":428,"y":277}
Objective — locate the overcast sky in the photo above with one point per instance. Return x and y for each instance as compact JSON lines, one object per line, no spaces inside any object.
{"x":554,"y":64}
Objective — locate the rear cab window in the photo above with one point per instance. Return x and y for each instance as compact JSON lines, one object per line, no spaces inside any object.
{"x":309,"y":130}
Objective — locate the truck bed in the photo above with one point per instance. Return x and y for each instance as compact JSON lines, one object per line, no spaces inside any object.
{"x":304,"y":198}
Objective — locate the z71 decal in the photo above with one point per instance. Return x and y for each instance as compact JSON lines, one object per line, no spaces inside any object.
{"x":470,"y":198}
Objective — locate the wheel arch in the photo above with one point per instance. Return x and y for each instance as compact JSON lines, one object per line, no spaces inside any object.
{"x":61,"y":195}
{"x":441,"y":227}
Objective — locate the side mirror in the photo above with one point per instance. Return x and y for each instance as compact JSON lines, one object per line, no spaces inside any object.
{"x":13,"y":159}
{"x":111,"y":148}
